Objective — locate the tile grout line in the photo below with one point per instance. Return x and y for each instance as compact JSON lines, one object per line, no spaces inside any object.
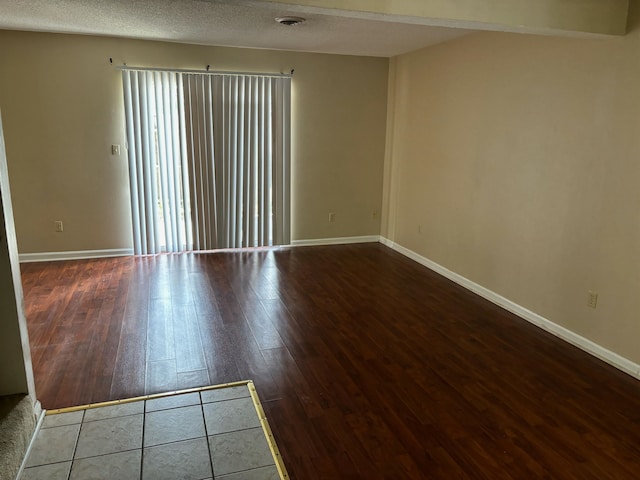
{"x":206,"y":435}
{"x":75,"y":447}
{"x":144,"y":422}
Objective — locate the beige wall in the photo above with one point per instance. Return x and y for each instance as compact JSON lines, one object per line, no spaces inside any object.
{"x":520,"y":158}
{"x":62,"y":108}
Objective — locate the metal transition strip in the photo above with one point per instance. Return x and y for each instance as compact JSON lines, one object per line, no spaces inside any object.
{"x":267,"y":432}
{"x":264,"y":423}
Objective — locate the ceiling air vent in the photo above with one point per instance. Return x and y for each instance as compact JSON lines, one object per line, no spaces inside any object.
{"x":290,"y":21}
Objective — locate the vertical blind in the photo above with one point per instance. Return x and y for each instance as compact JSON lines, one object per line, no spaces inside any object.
{"x":209,"y":160}
{"x":157,"y":162}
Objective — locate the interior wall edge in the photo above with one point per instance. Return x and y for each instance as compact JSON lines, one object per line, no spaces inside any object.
{"x":387,"y":217}
{"x":618,"y":361}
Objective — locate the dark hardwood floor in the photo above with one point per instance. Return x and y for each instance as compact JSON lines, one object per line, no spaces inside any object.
{"x":368,"y":365}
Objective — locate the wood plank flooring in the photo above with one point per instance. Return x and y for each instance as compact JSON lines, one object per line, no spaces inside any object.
{"x":367,"y":364}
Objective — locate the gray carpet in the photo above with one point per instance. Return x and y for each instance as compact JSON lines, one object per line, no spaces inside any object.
{"x":17,"y":424}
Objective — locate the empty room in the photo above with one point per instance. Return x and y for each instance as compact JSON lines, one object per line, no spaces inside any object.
{"x":320,"y":239}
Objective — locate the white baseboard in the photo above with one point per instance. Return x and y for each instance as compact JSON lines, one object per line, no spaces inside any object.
{"x":37,"y":408}
{"x":40,"y":414}
{"x":565,"y":334}
{"x":335,"y":241}
{"x":73,"y":255}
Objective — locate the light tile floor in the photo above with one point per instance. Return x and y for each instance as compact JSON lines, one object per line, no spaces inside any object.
{"x":191,"y":436}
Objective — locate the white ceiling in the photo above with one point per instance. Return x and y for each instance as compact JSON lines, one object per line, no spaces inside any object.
{"x":240,"y":23}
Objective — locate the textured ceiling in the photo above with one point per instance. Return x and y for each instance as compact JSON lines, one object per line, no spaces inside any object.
{"x":223,"y":22}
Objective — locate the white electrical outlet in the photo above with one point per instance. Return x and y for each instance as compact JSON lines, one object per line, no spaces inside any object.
{"x":592,"y":299}
{"x":59,"y":226}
